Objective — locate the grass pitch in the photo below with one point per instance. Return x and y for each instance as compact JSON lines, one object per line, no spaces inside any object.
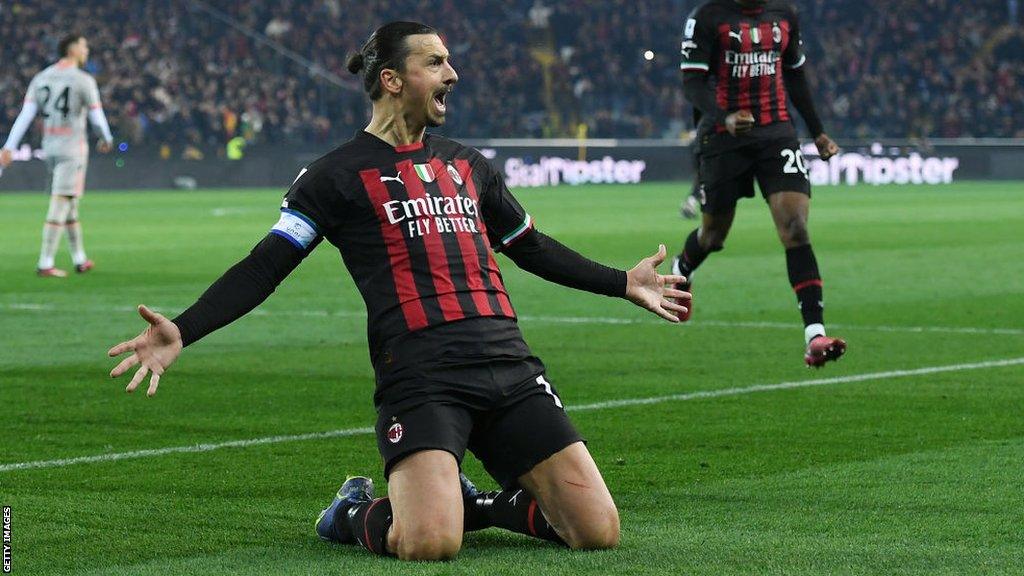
{"x":906,"y":472}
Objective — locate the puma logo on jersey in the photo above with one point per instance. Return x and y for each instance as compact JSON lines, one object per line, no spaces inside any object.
{"x":396,"y":178}
{"x":687,"y":46}
{"x":737,"y":35}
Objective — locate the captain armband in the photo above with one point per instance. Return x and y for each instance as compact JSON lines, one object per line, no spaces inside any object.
{"x":296,"y":228}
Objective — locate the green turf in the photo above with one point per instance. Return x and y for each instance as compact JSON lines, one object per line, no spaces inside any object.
{"x":916,"y":474}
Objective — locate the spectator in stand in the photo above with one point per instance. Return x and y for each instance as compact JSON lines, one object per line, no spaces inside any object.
{"x":169,"y":72}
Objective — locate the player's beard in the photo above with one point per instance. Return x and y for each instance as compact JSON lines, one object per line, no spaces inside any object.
{"x":433,"y":121}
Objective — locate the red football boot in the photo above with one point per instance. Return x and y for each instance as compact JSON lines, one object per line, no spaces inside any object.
{"x":824,"y":349}
{"x":84,"y":267}
{"x":51,"y":273}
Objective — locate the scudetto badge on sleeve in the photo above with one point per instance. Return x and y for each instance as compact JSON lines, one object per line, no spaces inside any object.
{"x":296,"y":228}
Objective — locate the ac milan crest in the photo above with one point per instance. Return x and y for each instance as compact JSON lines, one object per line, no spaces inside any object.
{"x":395,"y":433}
{"x":454,"y":173}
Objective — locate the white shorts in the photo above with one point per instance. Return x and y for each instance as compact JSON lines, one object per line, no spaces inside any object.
{"x":67,"y":174}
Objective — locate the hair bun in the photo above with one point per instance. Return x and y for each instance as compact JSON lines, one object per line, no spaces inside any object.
{"x":355,"y":63}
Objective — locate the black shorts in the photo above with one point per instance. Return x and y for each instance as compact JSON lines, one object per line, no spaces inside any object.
{"x":777,"y":164}
{"x":510,"y":426}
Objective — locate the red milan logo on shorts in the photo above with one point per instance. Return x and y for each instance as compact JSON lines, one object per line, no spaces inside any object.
{"x":395,"y":433}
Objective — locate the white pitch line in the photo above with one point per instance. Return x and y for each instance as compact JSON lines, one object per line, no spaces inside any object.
{"x":914,"y":329}
{"x":578,"y":408}
{"x":30,"y":306}
{"x":599,"y":320}
{"x":182,"y":449}
{"x":798,"y":384}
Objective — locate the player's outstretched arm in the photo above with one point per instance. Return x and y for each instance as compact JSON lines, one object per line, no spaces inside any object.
{"x":544,"y":256}
{"x":548,"y":258}
{"x":154,"y":350}
{"x":648,"y":289}
{"x":243,"y":287}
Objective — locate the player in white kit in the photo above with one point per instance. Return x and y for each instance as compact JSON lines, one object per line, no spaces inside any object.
{"x":63,"y":95}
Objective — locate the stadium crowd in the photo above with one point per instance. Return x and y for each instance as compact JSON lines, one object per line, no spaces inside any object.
{"x":914,"y":68}
{"x":180,"y":74}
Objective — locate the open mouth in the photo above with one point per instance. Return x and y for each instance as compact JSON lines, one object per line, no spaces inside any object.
{"x":439,"y":99}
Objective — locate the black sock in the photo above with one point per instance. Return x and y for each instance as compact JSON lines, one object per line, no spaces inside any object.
{"x":514,"y":510}
{"x":692,"y":255}
{"x":806,"y":282}
{"x":369,"y":523}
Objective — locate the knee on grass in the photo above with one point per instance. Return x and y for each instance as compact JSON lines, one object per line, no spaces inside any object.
{"x":600,"y":531}
{"x":427,"y":543}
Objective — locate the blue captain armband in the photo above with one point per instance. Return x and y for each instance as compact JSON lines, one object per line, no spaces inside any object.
{"x":296,"y":228}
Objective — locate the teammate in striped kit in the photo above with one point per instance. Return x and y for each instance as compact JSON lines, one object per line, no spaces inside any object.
{"x":417,"y":218}
{"x":64,"y":95}
{"x":741,"y":60}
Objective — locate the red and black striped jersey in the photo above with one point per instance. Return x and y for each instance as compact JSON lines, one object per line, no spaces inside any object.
{"x":416,"y":226}
{"x":744,"y":50}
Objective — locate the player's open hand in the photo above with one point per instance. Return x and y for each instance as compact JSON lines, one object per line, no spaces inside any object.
{"x":6,"y":158}
{"x":827,"y":147}
{"x":648,"y":289}
{"x":155,"y":350}
{"x":739,"y":122}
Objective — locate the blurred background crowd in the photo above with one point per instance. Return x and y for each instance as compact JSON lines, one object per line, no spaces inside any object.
{"x":187,"y":73}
